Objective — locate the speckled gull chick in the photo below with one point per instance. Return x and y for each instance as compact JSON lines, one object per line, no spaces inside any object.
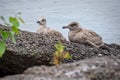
{"x":81,"y":35}
{"x":44,"y":30}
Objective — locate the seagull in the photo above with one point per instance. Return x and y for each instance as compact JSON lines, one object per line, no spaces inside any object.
{"x":80,"y":35}
{"x":44,"y":30}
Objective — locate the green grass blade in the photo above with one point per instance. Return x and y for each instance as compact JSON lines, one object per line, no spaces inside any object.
{"x":12,"y":34}
{"x":14,"y":21}
{"x":21,"y":20}
{"x":2,"y":48}
{"x":15,"y":29}
{"x":3,"y":19}
{"x":4,"y":34}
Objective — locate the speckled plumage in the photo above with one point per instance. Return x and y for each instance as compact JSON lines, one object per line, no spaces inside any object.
{"x":81,"y":35}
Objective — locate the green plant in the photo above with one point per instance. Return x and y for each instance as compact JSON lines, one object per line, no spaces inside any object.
{"x":14,"y":23}
{"x":60,"y":54}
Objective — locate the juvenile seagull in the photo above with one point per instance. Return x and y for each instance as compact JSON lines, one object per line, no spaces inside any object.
{"x":44,"y":30}
{"x":81,"y":35}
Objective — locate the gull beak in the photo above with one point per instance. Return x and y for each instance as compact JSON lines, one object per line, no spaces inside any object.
{"x":38,"y":21}
{"x":64,"y":27}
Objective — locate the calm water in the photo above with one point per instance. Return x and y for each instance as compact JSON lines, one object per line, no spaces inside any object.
{"x":102,"y":16}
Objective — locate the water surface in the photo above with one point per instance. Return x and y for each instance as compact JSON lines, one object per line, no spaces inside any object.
{"x":102,"y":16}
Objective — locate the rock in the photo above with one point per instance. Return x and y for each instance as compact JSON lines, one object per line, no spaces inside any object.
{"x":97,"y":68}
{"x":33,"y":49}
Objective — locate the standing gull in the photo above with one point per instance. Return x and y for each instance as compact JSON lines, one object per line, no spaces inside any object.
{"x":81,"y":35}
{"x":44,"y":30}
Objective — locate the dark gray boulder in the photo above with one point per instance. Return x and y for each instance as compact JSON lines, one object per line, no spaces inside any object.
{"x":34,"y":49}
{"x":31,"y":49}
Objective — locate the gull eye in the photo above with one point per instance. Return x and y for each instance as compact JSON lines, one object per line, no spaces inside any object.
{"x":43,"y":20}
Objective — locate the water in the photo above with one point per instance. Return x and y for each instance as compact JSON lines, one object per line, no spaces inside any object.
{"x":102,"y":16}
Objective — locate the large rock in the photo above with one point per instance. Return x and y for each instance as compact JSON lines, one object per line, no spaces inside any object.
{"x":34,"y":49}
{"x":97,"y":68}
